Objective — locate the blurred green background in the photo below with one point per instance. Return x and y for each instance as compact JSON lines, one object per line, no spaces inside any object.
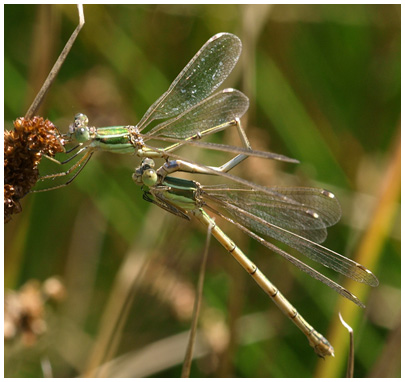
{"x":324,"y":86}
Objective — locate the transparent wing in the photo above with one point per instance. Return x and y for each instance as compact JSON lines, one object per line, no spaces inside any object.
{"x":201,"y":76}
{"x":214,"y":111}
{"x":261,"y":219}
{"x":305,"y":211}
{"x":224,"y":148}
{"x":298,"y":263}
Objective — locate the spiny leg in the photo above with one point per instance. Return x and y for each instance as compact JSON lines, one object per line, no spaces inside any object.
{"x":83,"y":160}
{"x":236,"y":160}
{"x":239,"y":158}
{"x":67,"y":152}
{"x":180,"y":165}
{"x":151,"y":152}
{"x":78,"y":163}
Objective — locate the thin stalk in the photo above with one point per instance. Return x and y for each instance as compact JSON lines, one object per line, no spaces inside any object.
{"x":55,"y":70}
{"x":185,"y":372}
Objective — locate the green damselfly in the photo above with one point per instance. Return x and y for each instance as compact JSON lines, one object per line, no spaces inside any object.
{"x":190,"y":111}
{"x":295,"y":216}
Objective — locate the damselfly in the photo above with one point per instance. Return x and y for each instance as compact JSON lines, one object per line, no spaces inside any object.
{"x":297,"y":217}
{"x":190,"y":111}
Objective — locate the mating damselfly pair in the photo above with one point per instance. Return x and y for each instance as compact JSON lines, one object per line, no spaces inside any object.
{"x":190,"y":110}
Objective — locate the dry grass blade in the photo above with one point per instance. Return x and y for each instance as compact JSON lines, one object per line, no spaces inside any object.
{"x":46,"y":367}
{"x":128,"y":280}
{"x":58,"y":64}
{"x":185,"y":372}
{"x":350,"y":359}
{"x":325,"y":83}
{"x":368,"y":251}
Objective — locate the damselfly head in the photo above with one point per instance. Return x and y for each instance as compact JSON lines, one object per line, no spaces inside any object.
{"x":145,"y":173}
{"x":79,"y":129}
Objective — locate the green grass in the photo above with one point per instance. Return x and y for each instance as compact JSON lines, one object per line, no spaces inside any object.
{"x":324,"y":86}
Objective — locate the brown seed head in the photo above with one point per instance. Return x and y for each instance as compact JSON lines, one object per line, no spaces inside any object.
{"x":23,"y":150}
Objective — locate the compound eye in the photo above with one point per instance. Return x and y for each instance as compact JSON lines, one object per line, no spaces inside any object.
{"x":148,"y":163}
{"x":81,"y":120}
{"x":82,"y":134}
{"x":149,"y":177}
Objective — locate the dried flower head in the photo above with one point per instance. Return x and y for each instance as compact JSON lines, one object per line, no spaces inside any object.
{"x":23,"y":149}
{"x":25,"y":313}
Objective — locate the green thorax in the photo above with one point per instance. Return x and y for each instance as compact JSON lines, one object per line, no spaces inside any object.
{"x":182,"y":193}
{"x":113,"y":138}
